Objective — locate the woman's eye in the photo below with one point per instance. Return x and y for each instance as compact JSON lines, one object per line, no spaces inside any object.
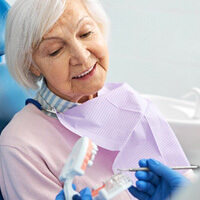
{"x":86,"y":34}
{"x":55,"y":52}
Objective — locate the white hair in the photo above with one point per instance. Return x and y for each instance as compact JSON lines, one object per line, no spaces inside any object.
{"x":27,"y":22}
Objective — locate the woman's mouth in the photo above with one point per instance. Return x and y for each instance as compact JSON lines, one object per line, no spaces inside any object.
{"x":86,"y":74}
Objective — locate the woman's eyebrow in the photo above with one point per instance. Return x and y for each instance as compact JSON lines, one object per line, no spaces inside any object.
{"x":50,"y":38}
{"x":81,"y":20}
{"x":57,"y":38}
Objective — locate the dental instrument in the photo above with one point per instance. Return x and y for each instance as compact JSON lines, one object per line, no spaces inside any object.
{"x":147,"y":169}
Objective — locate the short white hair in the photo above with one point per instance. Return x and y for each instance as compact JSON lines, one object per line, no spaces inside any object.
{"x":27,"y":22}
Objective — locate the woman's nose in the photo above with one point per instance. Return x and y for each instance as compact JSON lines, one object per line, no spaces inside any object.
{"x":79,"y":54}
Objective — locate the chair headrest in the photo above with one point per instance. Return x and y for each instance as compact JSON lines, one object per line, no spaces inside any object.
{"x":4,"y":7}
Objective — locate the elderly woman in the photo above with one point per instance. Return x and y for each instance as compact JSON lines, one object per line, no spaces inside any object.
{"x":59,"y":47}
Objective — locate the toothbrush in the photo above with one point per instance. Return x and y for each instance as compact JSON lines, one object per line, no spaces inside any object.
{"x":82,"y":155}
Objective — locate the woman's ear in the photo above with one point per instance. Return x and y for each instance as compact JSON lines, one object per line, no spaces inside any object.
{"x":35,"y":70}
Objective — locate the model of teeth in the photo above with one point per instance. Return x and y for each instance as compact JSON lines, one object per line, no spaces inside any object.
{"x":83,"y":74}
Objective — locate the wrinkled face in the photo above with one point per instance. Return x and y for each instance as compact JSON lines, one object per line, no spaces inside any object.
{"x":73,"y":55}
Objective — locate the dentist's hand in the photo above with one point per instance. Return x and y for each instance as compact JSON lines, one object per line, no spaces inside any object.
{"x":60,"y":196}
{"x":158,"y":183}
{"x":85,"y":194}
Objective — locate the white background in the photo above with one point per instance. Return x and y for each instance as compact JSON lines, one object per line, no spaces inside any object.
{"x":155,"y":44}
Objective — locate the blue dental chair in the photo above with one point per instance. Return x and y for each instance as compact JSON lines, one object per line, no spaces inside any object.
{"x":4,"y":7}
{"x":12,"y":97}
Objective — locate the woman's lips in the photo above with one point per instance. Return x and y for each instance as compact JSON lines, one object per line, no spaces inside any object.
{"x":86,"y":74}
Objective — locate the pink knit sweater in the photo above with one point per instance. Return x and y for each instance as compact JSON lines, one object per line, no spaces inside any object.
{"x":34,"y":148}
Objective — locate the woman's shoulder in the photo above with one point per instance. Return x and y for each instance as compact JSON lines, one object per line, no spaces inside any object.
{"x":27,"y":126}
{"x":26,"y":118}
{"x":32,"y":134}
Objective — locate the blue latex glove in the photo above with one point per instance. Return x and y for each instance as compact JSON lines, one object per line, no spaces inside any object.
{"x":60,"y":196}
{"x":85,"y":194}
{"x":158,"y":183}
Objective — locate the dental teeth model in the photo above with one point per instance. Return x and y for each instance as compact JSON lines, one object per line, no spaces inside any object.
{"x":112,"y":187}
{"x":82,"y":155}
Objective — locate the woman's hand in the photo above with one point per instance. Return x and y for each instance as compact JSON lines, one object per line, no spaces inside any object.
{"x":158,"y":183}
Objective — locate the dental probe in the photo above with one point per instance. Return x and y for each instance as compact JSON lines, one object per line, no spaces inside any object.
{"x":147,"y":169}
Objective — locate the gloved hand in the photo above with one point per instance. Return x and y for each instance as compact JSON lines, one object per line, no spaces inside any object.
{"x":85,"y":194}
{"x":158,"y":183}
{"x":60,"y":196}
